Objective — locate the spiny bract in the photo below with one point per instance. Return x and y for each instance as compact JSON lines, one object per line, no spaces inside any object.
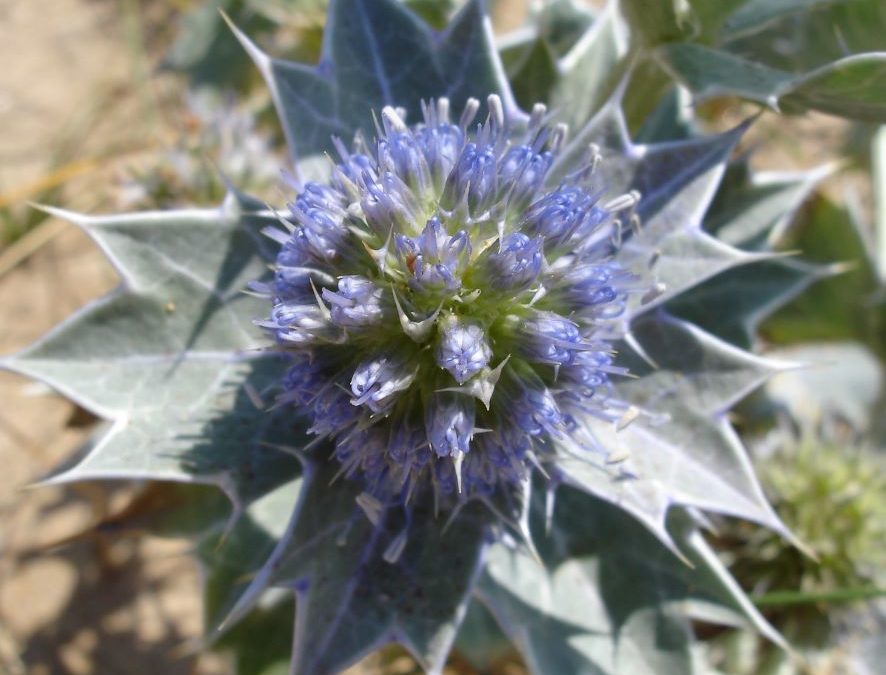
{"x":448,"y":309}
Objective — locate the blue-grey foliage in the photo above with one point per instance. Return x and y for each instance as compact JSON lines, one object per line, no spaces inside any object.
{"x":494,"y":360}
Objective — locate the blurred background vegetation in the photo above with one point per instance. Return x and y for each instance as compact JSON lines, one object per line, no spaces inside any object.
{"x":121,"y":104}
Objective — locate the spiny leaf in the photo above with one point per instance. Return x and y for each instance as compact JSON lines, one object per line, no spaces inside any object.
{"x":670,"y":121}
{"x":559,"y":24}
{"x":669,"y":455}
{"x":754,"y":15}
{"x":844,"y":384}
{"x":656,"y":21}
{"x":709,"y":575}
{"x":375,"y":54}
{"x":819,"y":33}
{"x":710,"y":72}
{"x":850,"y":87}
{"x":676,"y":181}
{"x":847,"y":87}
{"x":204,"y":49}
{"x":232,"y":556}
{"x":262,"y":642}
{"x":659,"y":171}
{"x":350,"y":599}
{"x":534,"y":75}
{"x":171,"y":355}
{"x":480,"y":641}
{"x":734,"y":303}
{"x":683,"y":260}
{"x":755,"y":211}
{"x":606,"y":596}
{"x":751,"y":211}
{"x":562,"y":23}
{"x":690,"y":366}
{"x":560,"y":624}
{"x":587,"y":75}
{"x":850,"y":305}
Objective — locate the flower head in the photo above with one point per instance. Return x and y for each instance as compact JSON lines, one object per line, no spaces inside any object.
{"x":443,"y":302}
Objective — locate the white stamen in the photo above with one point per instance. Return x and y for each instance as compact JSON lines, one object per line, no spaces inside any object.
{"x":558,"y":137}
{"x":618,"y":456}
{"x":550,"y":503}
{"x":623,"y":202}
{"x":627,"y":417}
{"x":254,"y":396}
{"x":496,"y":111}
{"x":443,"y":110}
{"x":655,"y":291}
{"x":371,"y":506}
{"x":539,"y":110}
{"x":392,"y":119}
{"x":469,"y":113}
{"x":395,"y":548}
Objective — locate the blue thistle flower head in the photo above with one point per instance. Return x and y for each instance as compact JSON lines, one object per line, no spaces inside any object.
{"x":447,"y":307}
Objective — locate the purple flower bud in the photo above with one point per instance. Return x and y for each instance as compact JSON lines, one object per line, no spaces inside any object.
{"x":389,"y":204}
{"x":474,"y":174}
{"x":521,"y":175}
{"x":439,"y":247}
{"x":567,"y":213}
{"x":449,"y":422}
{"x":435,"y":259}
{"x":536,"y":412}
{"x":405,"y":441}
{"x":303,"y":381}
{"x":442,"y":145}
{"x":377,"y":383}
{"x":332,"y":411}
{"x":293,"y":253}
{"x":546,"y":337}
{"x":293,"y":284}
{"x":363,"y":449}
{"x":590,"y":290}
{"x":318,"y":211}
{"x":300,"y":324}
{"x":354,"y":168}
{"x":462,"y":348}
{"x":401,"y":154}
{"x":517,"y":264}
{"x":356,"y":304}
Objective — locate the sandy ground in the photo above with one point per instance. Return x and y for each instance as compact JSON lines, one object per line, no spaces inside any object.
{"x":95,"y":605}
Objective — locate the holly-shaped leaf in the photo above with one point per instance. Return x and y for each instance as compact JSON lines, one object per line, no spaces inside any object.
{"x":605,"y":596}
{"x":171,"y":357}
{"x":366,"y":574}
{"x":676,"y":181}
{"x":847,"y":87}
{"x":378,"y":53}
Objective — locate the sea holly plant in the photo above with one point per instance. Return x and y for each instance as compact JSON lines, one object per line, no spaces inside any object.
{"x":464,"y":408}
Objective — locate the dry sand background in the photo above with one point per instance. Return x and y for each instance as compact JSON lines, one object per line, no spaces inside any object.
{"x":94,"y":605}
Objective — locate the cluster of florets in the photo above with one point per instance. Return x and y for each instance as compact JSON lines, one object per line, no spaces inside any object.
{"x":447,"y":312}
